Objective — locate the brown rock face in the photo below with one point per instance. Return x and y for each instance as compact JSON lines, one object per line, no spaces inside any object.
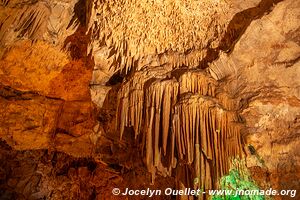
{"x":265,"y":80}
{"x":40,"y":174}
{"x":44,"y":94}
{"x":147,"y":94}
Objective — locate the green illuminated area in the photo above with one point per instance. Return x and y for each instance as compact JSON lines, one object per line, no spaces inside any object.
{"x":239,"y":185}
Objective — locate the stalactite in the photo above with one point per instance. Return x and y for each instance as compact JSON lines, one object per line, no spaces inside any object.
{"x":197,"y":82}
{"x":182,"y":122}
{"x":160,"y":98}
{"x":216,"y":137}
{"x":131,"y":99}
{"x":149,"y":31}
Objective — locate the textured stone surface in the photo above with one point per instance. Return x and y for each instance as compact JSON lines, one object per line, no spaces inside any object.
{"x":45,"y":96}
{"x":274,"y":133}
{"x":263,"y":71}
{"x":39,"y":174}
{"x":66,"y":65}
{"x":37,"y":20}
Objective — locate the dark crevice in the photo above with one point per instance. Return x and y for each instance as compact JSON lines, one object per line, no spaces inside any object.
{"x":77,"y":43}
{"x":115,"y":79}
{"x":79,"y":17}
{"x":93,"y":195}
{"x":4,"y":2}
{"x":116,"y":167}
{"x":81,"y":162}
{"x":10,"y":93}
{"x":288,"y":63}
{"x":237,"y":27}
{"x":64,"y":131}
{"x":242,"y":20}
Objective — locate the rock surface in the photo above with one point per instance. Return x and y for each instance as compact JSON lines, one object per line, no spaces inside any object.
{"x":264,"y":74}
{"x":72,"y":71}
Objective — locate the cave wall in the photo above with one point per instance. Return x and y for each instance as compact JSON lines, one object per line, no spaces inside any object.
{"x":66,"y":65}
{"x":265,"y":68}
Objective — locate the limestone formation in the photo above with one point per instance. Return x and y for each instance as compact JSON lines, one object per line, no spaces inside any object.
{"x":103,"y":94}
{"x":181,"y":123}
{"x":197,"y":82}
{"x":36,"y":20}
{"x":157,"y":27}
{"x":131,"y":99}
